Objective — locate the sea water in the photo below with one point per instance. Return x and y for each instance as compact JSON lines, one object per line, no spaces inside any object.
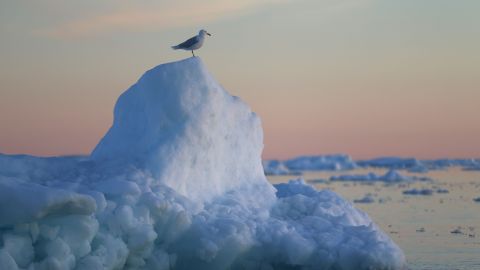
{"x":438,"y":231}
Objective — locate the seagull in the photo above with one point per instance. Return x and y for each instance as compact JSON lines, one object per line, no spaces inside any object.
{"x":193,"y":43}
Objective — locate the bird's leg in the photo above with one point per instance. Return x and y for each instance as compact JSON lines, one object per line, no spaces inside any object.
{"x":193,"y":54}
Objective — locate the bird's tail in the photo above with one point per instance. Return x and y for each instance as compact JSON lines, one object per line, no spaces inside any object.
{"x":175,"y":47}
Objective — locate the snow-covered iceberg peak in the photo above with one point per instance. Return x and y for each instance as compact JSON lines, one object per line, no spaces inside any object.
{"x":178,"y":123}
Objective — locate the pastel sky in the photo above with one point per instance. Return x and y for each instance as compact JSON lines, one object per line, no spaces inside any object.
{"x":363,"y":77}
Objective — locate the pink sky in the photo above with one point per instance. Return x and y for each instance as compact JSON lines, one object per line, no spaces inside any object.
{"x":366,"y":78}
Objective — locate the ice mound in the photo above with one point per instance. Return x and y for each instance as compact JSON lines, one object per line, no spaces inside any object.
{"x":182,"y":126}
{"x":177,"y":183}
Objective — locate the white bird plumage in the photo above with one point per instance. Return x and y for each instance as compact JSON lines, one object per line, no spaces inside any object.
{"x":193,"y":43}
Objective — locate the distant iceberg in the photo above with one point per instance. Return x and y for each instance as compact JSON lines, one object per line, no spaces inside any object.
{"x":423,"y":191}
{"x":294,"y":166}
{"x":472,"y":168}
{"x":446,"y":163}
{"x":368,"y":198}
{"x":178,"y":183}
{"x":343,"y":162}
{"x":391,"y":176}
{"x":335,"y":162}
{"x":419,"y":166}
{"x":471,"y":165}
{"x":277,"y":167}
{"x":393,"y":163}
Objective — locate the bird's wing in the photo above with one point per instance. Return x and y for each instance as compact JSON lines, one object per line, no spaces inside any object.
{"x":188,"y":43}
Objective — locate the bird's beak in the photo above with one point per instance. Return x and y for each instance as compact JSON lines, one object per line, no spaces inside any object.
{"x":209,"y":34}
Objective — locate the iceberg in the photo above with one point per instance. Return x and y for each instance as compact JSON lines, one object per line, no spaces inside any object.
{"x":446,"y":162}
{"x":335,"y":162}
{"x":178,"y":123}
{"x":467,"y":164}
{"x":391,"y":176}
{"x":177,"y":183}
{"x":420,"y":166}
{"x":393,"y":163}
{"x":472,"y":168}
{"x":423,"y":191}
{"x":277,"y":167}
{"x":342,"y":162}
{"x":368,"y":198}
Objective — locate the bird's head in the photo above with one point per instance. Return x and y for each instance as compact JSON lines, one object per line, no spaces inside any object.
{"x":203,"y":33}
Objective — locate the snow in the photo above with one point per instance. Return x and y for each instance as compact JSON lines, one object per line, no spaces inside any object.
{"x":391,"y":176}
{"x":178,"y":183}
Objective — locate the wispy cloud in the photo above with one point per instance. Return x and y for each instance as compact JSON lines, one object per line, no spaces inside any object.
{"x":154,"y":17}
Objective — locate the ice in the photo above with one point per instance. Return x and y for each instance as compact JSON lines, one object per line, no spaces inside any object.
{"x":419,"y":166}
{"x":334,"y":162}
{"x":457,"y":231}
{"x":277,"y":167}
{"x":474,"y":166}
{"x":421,"y":230}
{"x":368,"y":198}
{"x":393,"y":163}
{"x":423,"y":191}
{"x":178,"y":123}
{"x":296,"y":165}
{"x":318,"y":181}
{"x":331,"y":223}
{"x":338,"y":162}
{"x":391,"y":176}
{"x":178,"y":183}
{"x":445,"y":163}
{"x":6,"y":260}
{"x":23,"y":203}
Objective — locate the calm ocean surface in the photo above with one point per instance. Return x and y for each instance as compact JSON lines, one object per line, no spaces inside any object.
{"x":439,"y":231}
